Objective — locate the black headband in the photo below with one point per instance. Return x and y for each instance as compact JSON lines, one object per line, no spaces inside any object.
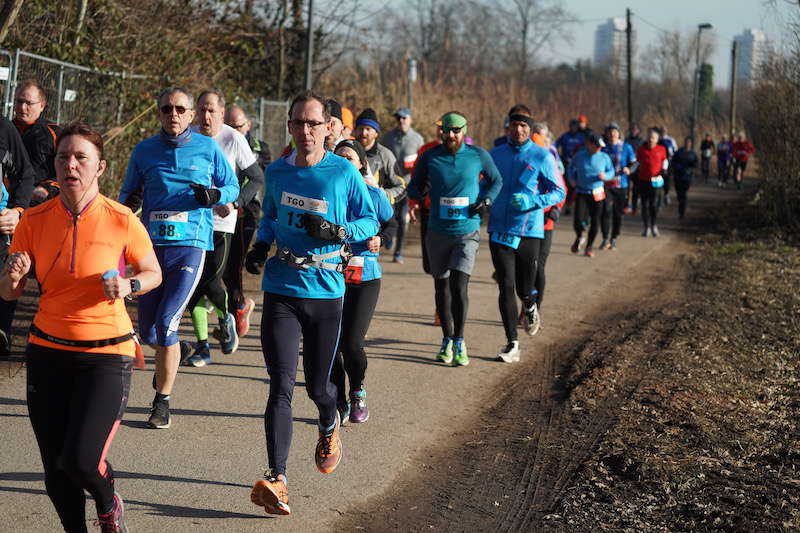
{"x":521,"y":118}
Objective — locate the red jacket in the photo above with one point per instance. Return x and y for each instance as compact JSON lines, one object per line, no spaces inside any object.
{"x":651,"y":161}
{"x":742,"y":150}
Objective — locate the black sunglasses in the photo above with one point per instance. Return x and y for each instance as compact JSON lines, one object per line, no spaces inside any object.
{"x":167,"y":109}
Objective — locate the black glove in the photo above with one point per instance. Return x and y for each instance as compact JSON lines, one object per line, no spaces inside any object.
{"x":554,"y":213}
{"x":205,"y":197}
{"x":256,"y":257}
{"x":319,"y":228}
{"x":481,"y":207}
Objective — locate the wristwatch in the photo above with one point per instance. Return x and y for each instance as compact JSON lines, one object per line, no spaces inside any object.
{"x":341,"y":232}
{"x":136,"y":286}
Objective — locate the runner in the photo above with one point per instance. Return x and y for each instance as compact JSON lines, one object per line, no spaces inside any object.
{"x":39,"y":137}
{"x":347,"y":123}
{"x":624,"y":161}
{"x":382,"y":162}
{"x":635,"y":139}
{"x":404,"y":143}
{"x":516,"y":224}
{"x":742,"y":150}
{"x":450,"y":174}
{"x":684,"y":162}
{"x":724,"y":156}
{"x":363,"y":284}
{"x":671,"y":146}
{"x":17,"y":175}
{"x":653,"y":163}
{"x":182,"y":175}
{"x":588,"y":172}
{"x":81,"y":348}
{"x":314,"y":203}
{"x":246,"y":225}
{"x":706,"y":151}
{"x":333,"y":140}
{"x":211,"y":113}
{"x":567,"y":145}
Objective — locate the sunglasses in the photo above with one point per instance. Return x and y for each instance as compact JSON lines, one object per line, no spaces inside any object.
{"x":297,"y":123}
{"x":167,"y":109}
{"x":453,"y":130}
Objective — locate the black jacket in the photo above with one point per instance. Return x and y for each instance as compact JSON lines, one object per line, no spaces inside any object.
{"x":17,"y":171}
{"x":40,"y":141}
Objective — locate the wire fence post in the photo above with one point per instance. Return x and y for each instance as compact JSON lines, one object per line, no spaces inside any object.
{"x":60,"y":93}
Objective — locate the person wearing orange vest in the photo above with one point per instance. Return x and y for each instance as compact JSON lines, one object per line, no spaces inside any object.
{"x":81,"y":347}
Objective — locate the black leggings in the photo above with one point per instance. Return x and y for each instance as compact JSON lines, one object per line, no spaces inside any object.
{"x":651,"y":202}
{"x":515,"y":270}
{"x":452,"y":302}
{"x":400,"y":212}
{"x":7,"y":307}
{"x":613,"y":209}
{"x":283,"y":321}
{"x":245,"y":228}
{"x":682,"y":188}
{"x":75,"y":403}
{"x":359,"y":306}
{"x":423,"y":230}
{"x":587,"y":213}
{"x":544,"y":253}
{"x":210,"y":284}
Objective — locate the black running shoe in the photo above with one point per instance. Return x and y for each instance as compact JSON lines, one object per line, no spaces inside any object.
{"x":159,"y":415}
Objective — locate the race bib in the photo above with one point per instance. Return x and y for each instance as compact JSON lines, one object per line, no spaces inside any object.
{"x":707,"y":153}
{"x":599,"y":193}
{"x":657,"y":182}
{"x":354,"y":272}
{"x":168,"y":225}
{"x":454,"y":208}
{"x":312,"y":205}
{"x":506,"y":239}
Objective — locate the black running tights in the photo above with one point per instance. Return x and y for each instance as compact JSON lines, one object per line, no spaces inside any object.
{"x":587,"y":213}
{"x":210,"y":284}
{"x":75,"y":403}
{"x":351,"y":360}
{"x":515,"y":271}
{"x":452,"y":302}
{"x":283,"y":321}
{"x":541,"y":263}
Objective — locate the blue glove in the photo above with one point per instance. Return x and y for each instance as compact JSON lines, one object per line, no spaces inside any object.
{"x":521,"y":202}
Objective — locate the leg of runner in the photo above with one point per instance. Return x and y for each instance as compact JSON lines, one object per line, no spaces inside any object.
{"x":620,"y":196}
{"x":459,"y":282}
{"x":238,"y":304}
{"x":606,"y":207}
{"x":658,"y":198}
{"x":647,"y":193}
{"x":541,"y":263}
{"x":681,"y":189}
{"x":579,"y":220}
{"x":527,"y":259}
{"x":504,"y":262}
{"x":75,"y":404}
{"x":400,"y":213}
{"x":594,"y":211}
{"x":359,"y":306}
{"x":444,"y":304}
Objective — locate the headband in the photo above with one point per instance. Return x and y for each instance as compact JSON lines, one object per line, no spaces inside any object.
{"x":521,"y":118}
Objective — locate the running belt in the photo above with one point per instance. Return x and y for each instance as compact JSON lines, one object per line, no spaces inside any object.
{"x":305,"y":262}
{"x":80,"y":344}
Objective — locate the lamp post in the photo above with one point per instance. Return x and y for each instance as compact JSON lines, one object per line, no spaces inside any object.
{"x":696,"y":94}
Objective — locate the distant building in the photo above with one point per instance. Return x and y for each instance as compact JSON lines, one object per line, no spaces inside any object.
{"x":752,"y":50}
{"x":609,"y":46}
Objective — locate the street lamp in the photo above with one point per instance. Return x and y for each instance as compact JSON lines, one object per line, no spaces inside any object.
{"x":696,"y":93}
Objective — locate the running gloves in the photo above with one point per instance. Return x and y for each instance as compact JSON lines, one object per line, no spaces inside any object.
{"x":319,"y":228}
{"x":205,"y":196}
{"x":481,"y":207}
{"x":256,"y":257}
{"x":554,"y":213}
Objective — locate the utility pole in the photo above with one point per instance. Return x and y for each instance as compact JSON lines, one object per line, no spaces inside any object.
{"x":696,"y":92}
{"x":732,"y":111}
{"x":412,"y":77}
{"x":628,"y":54}
{"x":309,"y":45}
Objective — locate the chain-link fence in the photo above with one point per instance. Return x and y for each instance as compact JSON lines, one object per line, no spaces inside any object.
{"x":269,"y":122}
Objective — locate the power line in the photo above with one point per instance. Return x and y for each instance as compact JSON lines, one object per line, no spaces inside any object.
{"x":651,"y":24}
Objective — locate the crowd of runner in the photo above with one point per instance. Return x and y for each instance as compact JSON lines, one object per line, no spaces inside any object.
{"x":202,"y":200}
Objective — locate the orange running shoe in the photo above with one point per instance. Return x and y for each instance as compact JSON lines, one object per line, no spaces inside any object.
{"x":243,"y":317}
{"x":328,"y":452}
{"x":272,"y":494}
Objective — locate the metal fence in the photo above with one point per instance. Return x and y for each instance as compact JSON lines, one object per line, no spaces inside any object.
{"x":269,"y":122}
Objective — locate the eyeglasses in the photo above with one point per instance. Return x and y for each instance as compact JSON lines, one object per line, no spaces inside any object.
{"x":238,"y":126}
{"x":451,"y":130}
{"x":21,"y":102}
{"x":167,"y":109}
{"x":297,"y":123}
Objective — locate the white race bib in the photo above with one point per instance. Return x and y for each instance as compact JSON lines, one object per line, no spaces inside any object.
{"x":303,"y":203}
{"x":454,"y":208}
{"x":168,"y":225}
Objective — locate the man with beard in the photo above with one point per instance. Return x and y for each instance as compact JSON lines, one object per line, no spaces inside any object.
{"x":462,"y":182}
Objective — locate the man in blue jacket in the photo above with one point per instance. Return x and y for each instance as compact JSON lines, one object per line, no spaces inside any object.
{"x":462,"y":182}
{"x":315,"y":203}
{"x":181,"y":176}
{"x":516,"y":224}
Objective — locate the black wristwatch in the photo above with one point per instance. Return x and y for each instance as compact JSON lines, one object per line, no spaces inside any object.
{"x":136,"y":286}
{"x":341,"y":232}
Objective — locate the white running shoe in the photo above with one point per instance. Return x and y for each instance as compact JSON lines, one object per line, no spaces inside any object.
{"x":509,"y":354}
{"x":533,"y":322}
{"x":654,"y":231}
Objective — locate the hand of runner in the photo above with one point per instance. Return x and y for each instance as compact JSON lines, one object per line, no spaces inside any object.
{"x":374,"y":244}
{"x":205,"y":196}
{"x":223,"y":210}
{"x":412,"y":212}
{"x":17,"y":266}
{"x":9,"y":218}
{"x":601,"y":176}
{"x":116,"y":287}
{"x":256,"y":257}
{"x":319,"y":228}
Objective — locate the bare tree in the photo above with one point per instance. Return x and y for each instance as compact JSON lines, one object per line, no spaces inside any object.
{"x":673,"y":55}
{"x":8,"y":14}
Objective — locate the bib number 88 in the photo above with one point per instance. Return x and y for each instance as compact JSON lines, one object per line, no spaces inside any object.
{"x":166,"y":230}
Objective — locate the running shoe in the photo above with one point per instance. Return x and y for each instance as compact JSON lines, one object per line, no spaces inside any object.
{"x":186,"y":353}
{"x":588,"y":252}
{"x":398,"y":259}
{"x":272,"y":494}
{"x":5,"y":344}
{"x":604,"y":245}
{"x":230,"y":339}
{"x":445,"y":354}
{"x":646,"y":231}
{"x":654,"y":231}
{"x":114,"y":520}
{"x":613,"y":245}
{"x":159,"y":415}
{"x":328,"y":451}
{"x":436,"y":320}
{"x":533,"y":321}
{"x":576,"y":245}
{"x":344,"y":411}
{"x":358,"y":400}
{"x":667,"y":200}
{"x":201,"y":356}
{"x":460,"y":357}
{"x":510,"y":353}
{"x":243,"y":317}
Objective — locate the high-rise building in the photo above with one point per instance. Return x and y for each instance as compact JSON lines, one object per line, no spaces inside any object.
{"x":752,"y":50}
{"x":609,"y":46}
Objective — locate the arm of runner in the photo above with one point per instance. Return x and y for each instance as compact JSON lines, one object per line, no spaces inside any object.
{"x":252,"y":181}
{"x":19,"y":195}
{"x":418,"y":188}
{"x":224,"y":178}
{"x":129,"y":194}
{"x":387,"y":232}
{"x":362,"y":221}
{"x":491,"y":176}
{"x":269,"y":216}
{"x":15,"y":275}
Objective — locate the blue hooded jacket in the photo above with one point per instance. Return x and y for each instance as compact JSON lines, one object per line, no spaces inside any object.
{"x":585,"y":168}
